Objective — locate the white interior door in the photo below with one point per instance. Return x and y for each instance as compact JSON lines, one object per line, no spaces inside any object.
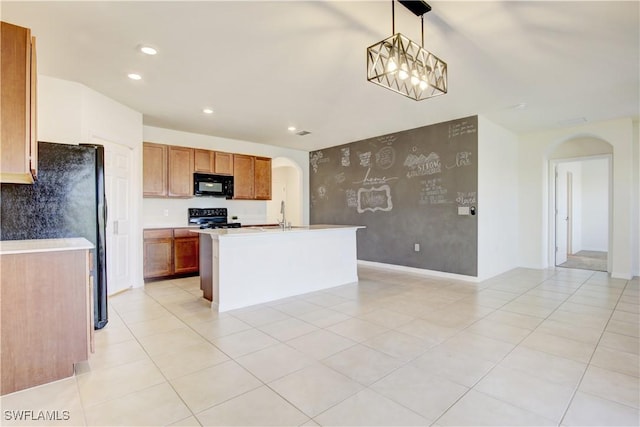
{"x":118,"y":160}
{"x":561,"y":215}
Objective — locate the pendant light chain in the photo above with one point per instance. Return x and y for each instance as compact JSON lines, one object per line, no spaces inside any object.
{"x":393,"y":17}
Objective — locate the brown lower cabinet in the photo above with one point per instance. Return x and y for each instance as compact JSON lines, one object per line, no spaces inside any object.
{"x":170,"y":252}
{"x":47,"y":316}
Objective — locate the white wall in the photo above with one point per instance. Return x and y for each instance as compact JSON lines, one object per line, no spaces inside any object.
{"x":533,"y":164}
{"x":498,"y":233}
{"x":71,"y":113}
{"x":286,"y":187}
{"x":594,"y":192}
{"x":173,"y":212}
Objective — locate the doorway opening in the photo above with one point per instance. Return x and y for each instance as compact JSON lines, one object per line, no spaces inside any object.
{"x":582,"y":213}
{"x":286,"y":177}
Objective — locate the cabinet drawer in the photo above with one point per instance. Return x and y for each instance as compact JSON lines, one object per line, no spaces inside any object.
{"x":161,"y":233}
{"x":183,"y":232}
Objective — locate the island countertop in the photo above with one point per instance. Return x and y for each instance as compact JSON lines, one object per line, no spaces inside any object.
{"x":240,"y":267}
{"x":271,"y":230}
{"x":9,"y":247}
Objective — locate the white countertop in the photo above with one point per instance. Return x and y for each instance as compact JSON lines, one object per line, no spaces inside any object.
{"x":272,"y":230}
{"x":9,"y":247}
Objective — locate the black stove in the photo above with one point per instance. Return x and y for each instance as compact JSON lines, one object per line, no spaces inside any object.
{"x":211,"y":218}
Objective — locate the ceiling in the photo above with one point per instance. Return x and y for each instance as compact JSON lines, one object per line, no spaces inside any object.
{"x":263,"y":65}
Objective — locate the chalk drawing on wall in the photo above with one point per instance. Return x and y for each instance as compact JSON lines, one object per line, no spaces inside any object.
{"x":322,"y":192}
{"x":463,"y":158}
{"x":352,"y":198}
{"x":466,"y":198}
{"x":387,"y":139}
{"x":316,"y":159}
{"x":339,"y":178}
{"x":365,"y":159}
{"x":461,"y":128}
{"x":385,"y":157}
{"x":374,"y":199}
{"x":369,"y":180}
{"x":423,"y":165}
{"x":345,"y":157}
{"x":432,"y":192}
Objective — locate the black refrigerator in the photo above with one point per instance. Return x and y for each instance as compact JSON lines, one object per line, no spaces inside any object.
{"x":67,"y":200}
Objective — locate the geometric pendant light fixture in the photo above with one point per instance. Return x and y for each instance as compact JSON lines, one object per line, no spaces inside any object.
{"x":403,"y":66}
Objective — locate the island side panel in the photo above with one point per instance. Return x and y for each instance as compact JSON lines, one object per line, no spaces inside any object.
{"x":262,"y":267}
{"x":206,"y":268}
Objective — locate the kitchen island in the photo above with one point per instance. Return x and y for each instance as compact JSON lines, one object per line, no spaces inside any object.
{"x":246,"y":266}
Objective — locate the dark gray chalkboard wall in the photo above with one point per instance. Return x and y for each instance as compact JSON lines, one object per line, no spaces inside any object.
{"x":406,"y":189}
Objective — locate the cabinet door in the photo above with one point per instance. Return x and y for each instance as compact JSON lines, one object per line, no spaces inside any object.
{"x":180,"y":174}
{"x":203,"y":161}
{"x":158,"y":257}
{"x":17,"y":93}
{"x":154,"y":166}
{"x":223,"y":163}
{"x":263,"y":178}
{"x":243,"y":176}
{"x":186,"y":257}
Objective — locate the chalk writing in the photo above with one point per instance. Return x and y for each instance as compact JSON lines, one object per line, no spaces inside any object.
{"x":316,"y":158}
{"x":433,"y":193}
{"x":352,"y":198}
{"x":385,"y":157}
{"x":461,"y":128}
{"x":463,"y":158}
{"x":365,"y":159}
{"x":339,"y":178}
{"x":467,"y":198}
{"x":387,"y":139}
{"x":374,"y":199}
{"x":423,"y":165}
{"x":345,"y":158}
{"x":374,"y":181}
{"x":322,"y":192}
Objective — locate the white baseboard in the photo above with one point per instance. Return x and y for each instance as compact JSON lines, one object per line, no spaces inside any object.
{"x":419,"y":271}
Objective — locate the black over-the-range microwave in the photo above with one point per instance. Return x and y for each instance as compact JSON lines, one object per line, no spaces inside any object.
{"x":206,"y":184}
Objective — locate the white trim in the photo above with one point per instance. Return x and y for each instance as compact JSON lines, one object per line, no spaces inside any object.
{"x":419,"y":271}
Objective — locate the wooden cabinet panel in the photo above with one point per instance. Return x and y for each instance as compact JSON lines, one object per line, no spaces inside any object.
{"x":158,"y":254}
{"x":169,"y":252}
{"x":185,"y":255}
{"x":154,"y":166}
{"x":45,"y":317}
{"x":243,"y":176}
{"x":203,"y":161}
{"x":262,"y":178}
{"x":18,"y":141}
{"x":223,"y":163}
{"x":180,"y":176}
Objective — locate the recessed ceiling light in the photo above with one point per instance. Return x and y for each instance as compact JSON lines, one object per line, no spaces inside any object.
{"x":134,"y":76}
{"x":207,"y":110}
{"x":291,"y":128}
{"x":148,"y":50}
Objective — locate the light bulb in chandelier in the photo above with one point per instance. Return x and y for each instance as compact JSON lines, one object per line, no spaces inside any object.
{"x":415,"y":79}
{"x":403,"y":73}
{"x":392,"y":66}
{"x":424,"y":83}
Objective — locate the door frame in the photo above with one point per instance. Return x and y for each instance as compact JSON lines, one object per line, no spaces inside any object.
{"x":551,"y":232}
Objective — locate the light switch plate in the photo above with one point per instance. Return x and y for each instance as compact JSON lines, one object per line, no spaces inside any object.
{"x":463,"y":210}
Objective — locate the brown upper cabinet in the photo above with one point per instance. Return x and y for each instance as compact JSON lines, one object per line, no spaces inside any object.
{"x":154,"y":170}
{"x":180,"y":172}
{"x":167,"y":170}
{"x":18,"y":82}
{"x":243,"y":176}
{"x":208,"y":161}
{"x":223,"y":163}
{"x":262,"y":178}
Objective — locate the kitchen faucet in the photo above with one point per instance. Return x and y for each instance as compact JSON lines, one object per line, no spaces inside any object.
{"x":283,"y":223}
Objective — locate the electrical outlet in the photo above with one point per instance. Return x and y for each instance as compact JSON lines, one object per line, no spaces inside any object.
{"x":416,"y":247}
{"x":166,"y":212}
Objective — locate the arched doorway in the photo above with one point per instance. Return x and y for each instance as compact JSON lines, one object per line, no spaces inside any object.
{"x":580,"y":197}
{"x":286,"y":176}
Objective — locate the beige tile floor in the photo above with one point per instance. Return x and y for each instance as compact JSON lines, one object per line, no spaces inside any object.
{"x":530,"y":347}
